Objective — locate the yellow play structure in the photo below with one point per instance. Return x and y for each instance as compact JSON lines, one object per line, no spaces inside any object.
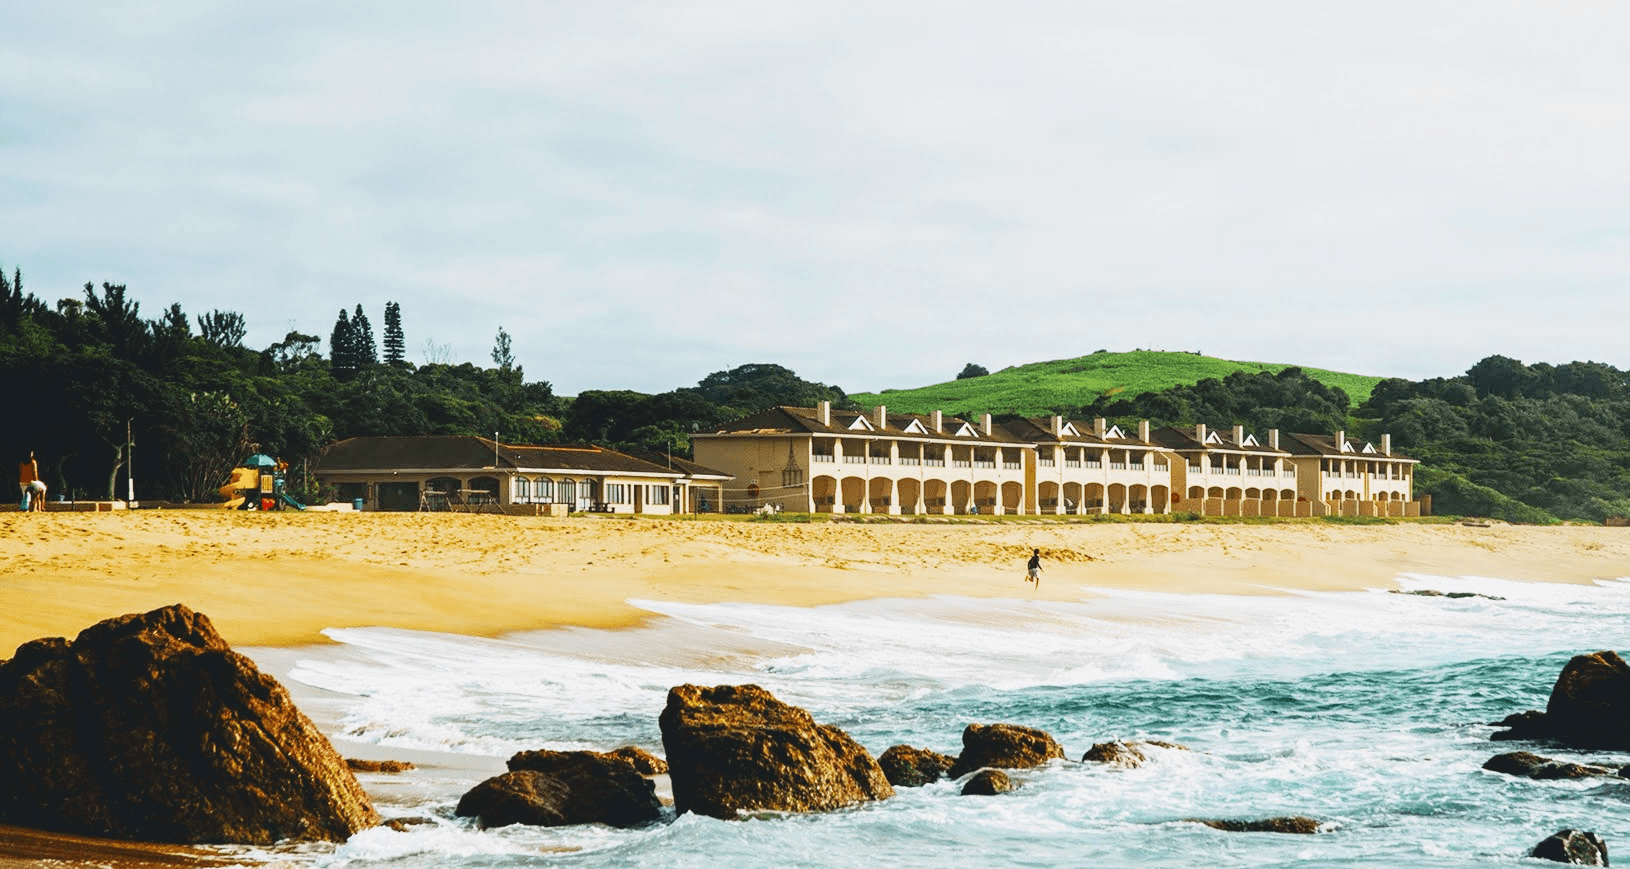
{"x":257,"y":484}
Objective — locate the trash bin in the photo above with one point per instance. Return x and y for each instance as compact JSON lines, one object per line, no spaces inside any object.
{"x":357,"y":505}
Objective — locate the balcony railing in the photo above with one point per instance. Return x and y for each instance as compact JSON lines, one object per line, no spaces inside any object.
{"x":1117,"y":466}
{"x":1045,"y":463}
{"x":1136,"y":466}
{"x":934,"y":463}
{"x":823,"y":457}
{"x":983,"y":463}
{"x":1194,"y":468}
{"x":881,"y":460}
{"x":1072,"y":463}
{"x":961,"y":463}
{"x":906,"y":461}
{"x":854,"y":460}
{"x":1161,"y":468}
{"x":1094,"y":463}
{"x":1012,"y":466}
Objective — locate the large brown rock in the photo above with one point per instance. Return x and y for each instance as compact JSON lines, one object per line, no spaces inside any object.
{"x":987,"y":783}
{"x":150,"y":727}
{"x":1589,"y":706}
{"x":1291,"y":824}
{"x":907,"y":767}
{"x":557,"y":788}
{"x":1003,"y":746}
{"x":735,"y":748}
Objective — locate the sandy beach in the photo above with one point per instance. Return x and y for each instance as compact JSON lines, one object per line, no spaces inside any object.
{"x":280,"y":579}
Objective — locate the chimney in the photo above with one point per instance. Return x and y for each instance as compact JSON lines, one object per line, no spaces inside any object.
{"x":1341,"y":442}
{"x":824,"y":411}
{"x":1099,"y":426}
{"x":938,"y":418}
{"x":1058,"y":425}
{"x":1273,"y":438}
{"x":1386,"y":444}
{"x":984,"y":423}
{"x":882,"y":417}
{"x":1200,"y":432}
{"x":1239,"y":435}
{"x":1143,"y":430}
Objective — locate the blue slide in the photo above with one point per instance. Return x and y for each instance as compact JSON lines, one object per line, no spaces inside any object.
{"x":290,"y":501}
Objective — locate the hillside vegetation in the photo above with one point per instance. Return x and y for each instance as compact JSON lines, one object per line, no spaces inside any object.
{"x":1040,"y":387}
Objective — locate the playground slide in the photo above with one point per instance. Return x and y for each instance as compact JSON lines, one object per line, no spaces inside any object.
{"x":242,"y":479}
{"x":290,"y":501}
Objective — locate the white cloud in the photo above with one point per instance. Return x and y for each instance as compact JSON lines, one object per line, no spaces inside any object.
{"x":871,"y":193}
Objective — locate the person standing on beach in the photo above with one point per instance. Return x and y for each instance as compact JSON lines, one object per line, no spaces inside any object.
{"x":1033,"y":569}
{"x":27,"y":472}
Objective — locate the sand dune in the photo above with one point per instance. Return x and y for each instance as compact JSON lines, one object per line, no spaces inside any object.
{"x":278,"y":579}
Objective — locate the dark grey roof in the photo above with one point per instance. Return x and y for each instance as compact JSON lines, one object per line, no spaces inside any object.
{"x":1184,"y":440}
{"x":1325,"y":445}
{"x":463,"y":453}
{"x":1040,"y":430}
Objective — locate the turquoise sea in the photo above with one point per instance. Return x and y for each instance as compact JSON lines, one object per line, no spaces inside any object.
{"x":1367,"y":710}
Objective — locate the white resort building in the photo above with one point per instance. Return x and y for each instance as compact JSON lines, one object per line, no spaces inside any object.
{"x":825,"y":460}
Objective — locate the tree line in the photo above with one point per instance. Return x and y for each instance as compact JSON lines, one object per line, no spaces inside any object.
{"x":96,"y":389}
{"x":89,"y":374}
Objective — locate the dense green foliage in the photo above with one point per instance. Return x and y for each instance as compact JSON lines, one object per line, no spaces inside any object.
{"x":1524,"y":443}
{"x":1041,"y":387}
{"x":81,"y":373}
{"x":1289,"y":400}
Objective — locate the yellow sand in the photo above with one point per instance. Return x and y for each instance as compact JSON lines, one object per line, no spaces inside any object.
{"x":279,"y":579}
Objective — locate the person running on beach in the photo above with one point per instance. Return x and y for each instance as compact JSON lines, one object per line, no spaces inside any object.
{"x":1033,"y":571}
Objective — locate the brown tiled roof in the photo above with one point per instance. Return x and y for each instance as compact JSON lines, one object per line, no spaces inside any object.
{"x":1040,"y":430}
{"x":1325,"y":445}
{"x":1183,"y":440}
{"x":806,"y":420}
{"x":476,"y":453}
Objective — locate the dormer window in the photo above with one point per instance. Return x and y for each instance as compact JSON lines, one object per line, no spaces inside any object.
{"x":1214,"y":438}
{"x":1115,"y":432}
{"x":1250,"y":441}
{"x":1069,"y":430}
{"x":861,"y":424}
{"x":1369,"y":448}
{"x":916,"y":427}
{"x":966,"y":431}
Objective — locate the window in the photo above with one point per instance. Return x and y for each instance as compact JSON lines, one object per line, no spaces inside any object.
{"x":566,"y":492}
{"x":522,"y":490}
{"x":544,"y":490}
{"x":657,"y":495}
{"x":616,"y":493}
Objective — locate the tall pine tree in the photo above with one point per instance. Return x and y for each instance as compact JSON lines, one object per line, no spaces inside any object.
{"x":363,"y":334}
{"x":342,"y":348}
{"x":395,"y":342}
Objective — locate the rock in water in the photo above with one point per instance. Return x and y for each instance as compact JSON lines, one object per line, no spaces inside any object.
{"x":1129,"y":753}
{"x":150,"y":727}
{"x":907,"y":767}
{"x":987,"y":783}
{"x":1004,"y":746}
{"x":599,"y":788}
{"x":557,"y":788}
{"x":1575,"y":847}
{"x":1589,"y":706}
{"x":644,"y":762}
{"x":1292,"y":824}
{"x":1525,"y":764}
{"x":735,"y":748}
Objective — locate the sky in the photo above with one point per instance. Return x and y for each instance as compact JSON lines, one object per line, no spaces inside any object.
{"x":873,"y":194}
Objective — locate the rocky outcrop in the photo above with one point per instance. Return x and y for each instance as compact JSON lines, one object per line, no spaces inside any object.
{"x":1003,"y":746}
{"x":1575,"y":847}
{"x":359,"y":765}
{"x":907,"y":767}
{"x":1589,"y":706}
{"x":735,"y":748}
{"x":1527,"y":765}
{"x":1128,"y":753}
{"x":1288,"y":824}
{"x":987,"y":783}
{"x":150,"y":727}
{"x":559,"y":788}
{"x":644,"y":762}
{"x":1453,"y":595}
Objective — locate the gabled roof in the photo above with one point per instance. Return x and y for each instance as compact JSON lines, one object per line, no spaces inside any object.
{"x":1039,"y":430}
{"x":1183,"y":440}
{"x":783,"y":419}
{"x":464,"y":453}
{"x":1325,"y":445}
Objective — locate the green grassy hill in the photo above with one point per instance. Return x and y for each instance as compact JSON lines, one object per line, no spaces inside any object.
{"x":1036,"y":388}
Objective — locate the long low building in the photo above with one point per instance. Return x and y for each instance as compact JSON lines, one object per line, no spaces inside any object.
{"x":825,"y":460}
{"x":475,"y":474}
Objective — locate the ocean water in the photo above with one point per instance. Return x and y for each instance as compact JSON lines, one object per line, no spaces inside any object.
{"x":1366,"y":710}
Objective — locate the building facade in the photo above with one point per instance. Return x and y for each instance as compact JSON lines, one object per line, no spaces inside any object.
{"x":833,"y":461}
{"x":472,"y":473}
